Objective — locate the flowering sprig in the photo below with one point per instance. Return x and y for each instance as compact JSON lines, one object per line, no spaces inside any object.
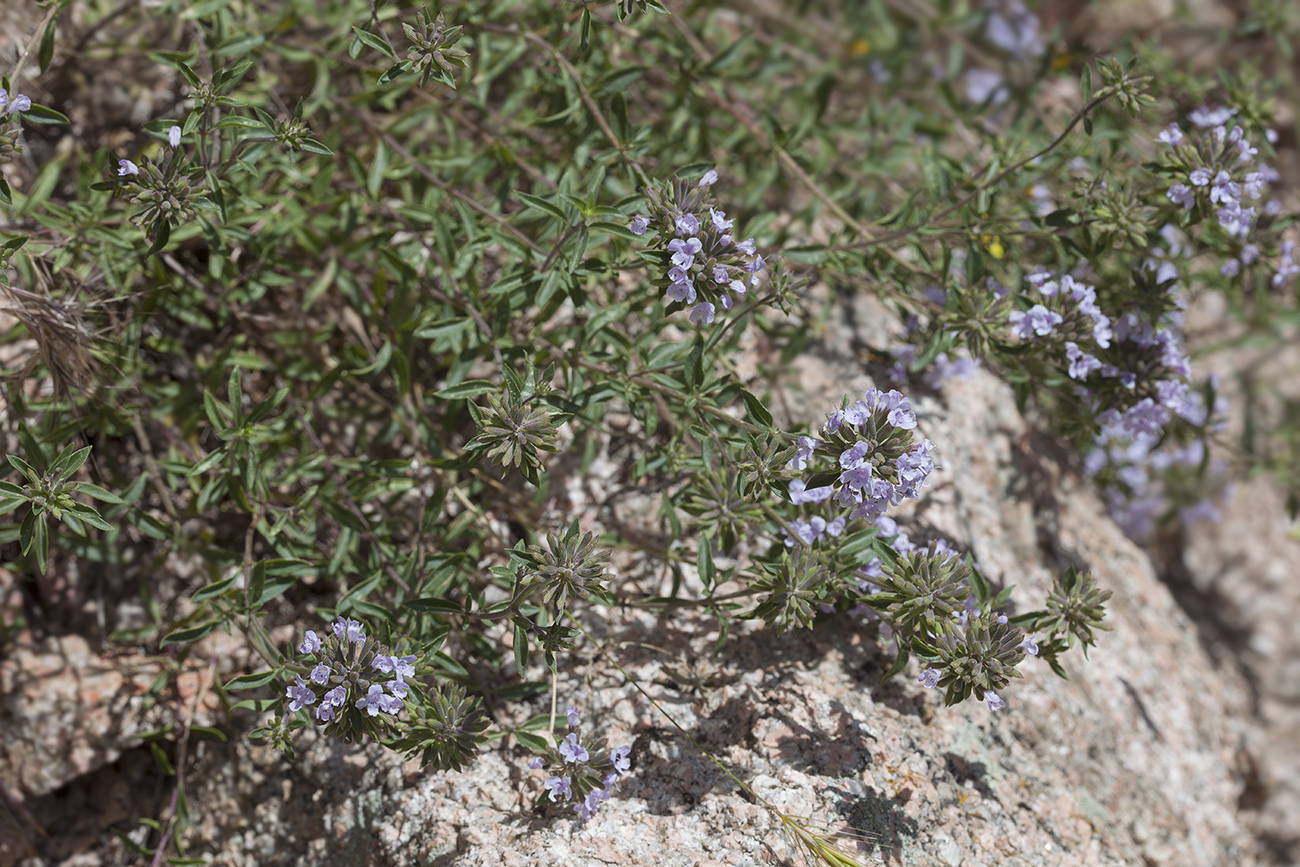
{"x":1217,"y":171}
{"x":431,"y":54}
{"x":10,"y":128}
{"x":705,"y":268}
{"x":866,"y":458}
{"x":583,"y":774}
{"x":167,"y":194}
{"x":356,"y":685}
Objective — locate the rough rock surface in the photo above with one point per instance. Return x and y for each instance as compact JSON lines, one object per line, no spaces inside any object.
{"x":1132,"y":761}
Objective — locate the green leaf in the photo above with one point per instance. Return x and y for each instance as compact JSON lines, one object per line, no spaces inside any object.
{"x":188,"y":634}
{"x":257,"y":705}
{"x":757,"y":411}
{"x":544,"y":206}
{"x":1085,"y":83}
{"x":534,"y":742}
{"x":98,"y":493}
{"x":69,"y":461}
{"x":312,"y":146}
{"x":521,"y":649}
{"x":433,"y":603}
{"x":250,"y":681}
{"x":705,"y":561}
{"x":41,"y":543}
{"x":44,"y":115}
{"x":374,"y":42}
{"x":25,"y":468}
{"x":217,"y":734}
{"x":46,"y":52}
{"x":160,"y":758}
{"x":468,"y":388}
{"x":216,"y":588}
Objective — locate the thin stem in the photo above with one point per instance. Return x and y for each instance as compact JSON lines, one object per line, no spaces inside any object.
{"x":17,"y":74}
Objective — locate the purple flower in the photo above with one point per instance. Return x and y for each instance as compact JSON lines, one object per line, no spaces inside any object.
{"x":572,"y":713}
{"x":710,"y":178}
{"x":929,"y":678}
{"x":799,"y":494}
{"x":1181,"y":194}
{"x":805,"y":531}
{"x":537,"y":763}
{"x":404,"y":666}
{"x":399,"y":688}
{"x":622,"y":758}
{"x":386,"y":664}
{"x":1206,"y":117}
{"x":1249,"y":254}
{"x":300,"y":695}
{"x":1225,"y":189}
{"x":1038,"y":320}
{"x":559,"y":787}
{"x":859,"y":412}
{"x":1200,"y":177}
{"x":374,"y":700}
{"x":683,"y":291}
{"x":349,"y":630}
{"x":1030,"y":647}
{"x":1101,"y":332}
{"x":1081,"y":363}
{"x":310,"y":643}
{"x":591,"y":803}
{"x":126,"y":167}
{"x":836,"y":526}
{"x":1234,"y":219}
{"x":324,"y":712}
{"x":852,"y":457}
{"x":995,"y":702}
{"x":1231,"y":268}
{"x":639,"y":224}
{"x":702,"y":312}
{"x":336,"y":697}
{"x":720,"y":222}
{"x":684,"y":251}
{"x":174,"y":137}
{"x":573,"y":751}
{"x":983,"y":85}
{"x":390,"y":703}
{"x":803,"y":452}
{"x":688,"y":224}
{"x":899,"y":409}
{"x":746,"y":246}
{"x":737,"y":286}
{"x":1171,"y":135}
{"x":21,"y":103}
{"x":720,"y":275}
{"x":1205,"y":510}
{"x":321,"y":674}
{"x":724,"y":301}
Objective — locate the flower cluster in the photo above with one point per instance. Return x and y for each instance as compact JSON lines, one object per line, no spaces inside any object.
{"x":583,"y":773}
{"x":10,"y":129}
{"x":1216,"y":169}
{"x":876,"y":462}
{"x":977,"y":658}
{"x":166,"y":195}
{"x":431,"y":54}
{"x":1061,"y":301}
{"x":348,"y":667}
{"x":706,"y":268}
